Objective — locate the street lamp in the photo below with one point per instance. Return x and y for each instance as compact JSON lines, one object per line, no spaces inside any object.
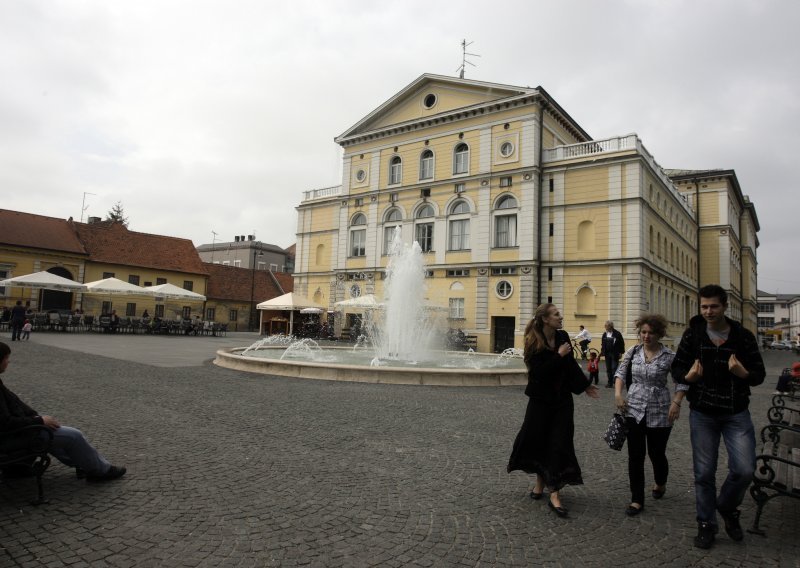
{"x":256,"y":253}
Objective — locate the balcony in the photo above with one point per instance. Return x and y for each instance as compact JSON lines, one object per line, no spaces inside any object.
{"x":322,"y":193}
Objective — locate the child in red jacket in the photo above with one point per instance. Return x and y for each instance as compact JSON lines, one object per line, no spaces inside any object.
{"x":593,"y":368}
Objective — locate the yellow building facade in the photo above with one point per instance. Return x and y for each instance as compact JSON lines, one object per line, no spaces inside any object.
{"x":513,"y":204}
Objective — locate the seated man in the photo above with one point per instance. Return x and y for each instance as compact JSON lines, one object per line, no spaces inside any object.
{"x":70,"y":446}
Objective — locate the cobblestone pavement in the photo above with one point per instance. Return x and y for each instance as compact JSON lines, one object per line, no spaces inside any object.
{"x":233,"y":469}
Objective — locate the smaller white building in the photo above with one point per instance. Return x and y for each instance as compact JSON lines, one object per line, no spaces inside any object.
{"x":778,"y":317}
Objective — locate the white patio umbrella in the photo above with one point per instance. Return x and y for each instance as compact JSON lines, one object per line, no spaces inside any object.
{"x":174,"y":292}
{"x":114,"y":286}
{"x":43,"y":281}
{"x":288,"y":302}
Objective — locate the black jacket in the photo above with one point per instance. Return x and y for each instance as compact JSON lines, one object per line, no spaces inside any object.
{"x":14,"y":413}
{"x":612,"y":347}
{"x":718,"y":391}
{"x":552,"y":377}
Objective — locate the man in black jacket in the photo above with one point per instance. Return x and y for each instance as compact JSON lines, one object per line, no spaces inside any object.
{"x":612,"y":347}
{"x":720,"y":361}
{"x":70,"y":446}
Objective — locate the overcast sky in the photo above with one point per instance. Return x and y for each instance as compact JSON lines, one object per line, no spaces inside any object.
{"x":211,"y":115}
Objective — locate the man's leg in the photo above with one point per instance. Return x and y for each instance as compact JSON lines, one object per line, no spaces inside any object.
{"x":71,"y":448}
{"x":704,"y":433}
{"x":740,"y":441}
{"x":609,"y":371}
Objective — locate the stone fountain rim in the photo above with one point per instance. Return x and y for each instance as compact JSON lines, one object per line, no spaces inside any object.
{"x":231,"y":358}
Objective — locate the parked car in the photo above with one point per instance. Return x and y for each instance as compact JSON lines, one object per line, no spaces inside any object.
{"x":784,"y":344}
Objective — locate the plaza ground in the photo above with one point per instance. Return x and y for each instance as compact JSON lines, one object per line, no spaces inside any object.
{"x":233,"y":469}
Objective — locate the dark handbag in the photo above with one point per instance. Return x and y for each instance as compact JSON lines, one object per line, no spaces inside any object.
{"x":629,"y":370}
{"x":616,"y":432}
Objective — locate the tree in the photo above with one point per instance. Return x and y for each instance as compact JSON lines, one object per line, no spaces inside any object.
{"x":117,"y":214}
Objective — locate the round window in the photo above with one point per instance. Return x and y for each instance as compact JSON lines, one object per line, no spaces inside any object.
{"x":361,"y":175}
{"x":429,"y":100}
{"x":506,"y":149}
{"x":504,"y":289}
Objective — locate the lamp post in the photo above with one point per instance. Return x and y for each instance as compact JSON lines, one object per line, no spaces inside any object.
{"x":256,"y":253}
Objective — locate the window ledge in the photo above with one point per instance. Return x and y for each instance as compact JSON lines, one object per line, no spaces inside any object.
{"x":580,"y":315}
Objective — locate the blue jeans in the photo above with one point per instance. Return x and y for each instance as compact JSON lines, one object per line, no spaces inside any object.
{"x":740,"y":441}
{"x":71,"y":448}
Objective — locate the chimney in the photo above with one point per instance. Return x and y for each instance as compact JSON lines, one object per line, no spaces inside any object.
{"x":93,"y":220}
{"x":236,"y":239}
{"x":251,"y":237}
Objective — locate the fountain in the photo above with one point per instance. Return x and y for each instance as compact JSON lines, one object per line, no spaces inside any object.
{"x":405,"y":337}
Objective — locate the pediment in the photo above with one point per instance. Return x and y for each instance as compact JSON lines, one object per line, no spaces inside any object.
{"x":431,"y":95}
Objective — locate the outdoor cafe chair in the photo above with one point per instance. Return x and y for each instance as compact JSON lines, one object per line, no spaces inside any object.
{"x":88,"y":322}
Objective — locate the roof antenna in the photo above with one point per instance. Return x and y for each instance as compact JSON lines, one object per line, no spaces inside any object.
{"x":464,"y":62}
{"x":213,"y":243}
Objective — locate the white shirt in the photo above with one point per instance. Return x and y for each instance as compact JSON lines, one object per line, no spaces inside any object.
{"x":583,"y":334}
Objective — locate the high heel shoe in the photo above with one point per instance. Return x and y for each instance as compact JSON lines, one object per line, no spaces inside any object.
{"x":560,"y":511}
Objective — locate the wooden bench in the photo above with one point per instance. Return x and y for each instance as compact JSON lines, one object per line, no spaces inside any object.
{"x":26,"y":450}
{"x":778,"y":466}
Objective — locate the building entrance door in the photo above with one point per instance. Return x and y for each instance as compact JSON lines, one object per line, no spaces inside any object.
{"x":54,"y":299}
{"x":503,"y":333}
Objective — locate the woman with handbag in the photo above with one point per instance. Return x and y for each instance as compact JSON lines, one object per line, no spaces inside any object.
{"x":649,"y":409}
{"x":544,"y":445}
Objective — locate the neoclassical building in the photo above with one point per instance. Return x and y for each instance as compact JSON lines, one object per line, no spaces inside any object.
{"x":513,"y":204}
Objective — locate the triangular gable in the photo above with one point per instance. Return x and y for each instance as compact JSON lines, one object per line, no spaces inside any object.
{"x":450,"y":94}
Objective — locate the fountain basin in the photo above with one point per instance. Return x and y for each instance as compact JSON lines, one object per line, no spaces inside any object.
{"x":327,"y":371}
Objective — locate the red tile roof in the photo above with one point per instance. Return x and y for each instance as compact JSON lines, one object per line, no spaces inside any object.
{"x":113,"y":243}
{"x":39,"y":232}
{"x":234,"y":283}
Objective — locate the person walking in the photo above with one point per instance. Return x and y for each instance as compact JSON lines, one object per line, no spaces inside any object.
{"x":544,"y":445}
{"x":612,"y":346}
{"x":647,"y":408}
{"x":719,"y":360}
{"x":17,"y":320}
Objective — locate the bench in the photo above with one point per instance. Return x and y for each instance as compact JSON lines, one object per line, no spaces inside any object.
{"x":26,"y":451}
{"x":778,"y":466}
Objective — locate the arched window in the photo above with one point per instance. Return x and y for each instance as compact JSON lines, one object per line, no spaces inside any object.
{"x":358,"y":235}
{"x":459,"y":225}
{"x":426,"y":165}
{"x":461,"y":159}
{"x":505,"y":222}
{"x":651,"y":240}
{"x":423,"y":230}
{"x":395,"y":170}
{"x":320,"y":257}
{"x":586,"y":240}
{"x":392,"y":221}
{"x":658,"y":240}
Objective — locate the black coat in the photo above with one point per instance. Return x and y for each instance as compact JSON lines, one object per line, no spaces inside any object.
{"x":612,"y":347}
{"x":14,"y":413}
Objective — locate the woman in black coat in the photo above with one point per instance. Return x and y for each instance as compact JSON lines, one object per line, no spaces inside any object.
{"x":544,"y":445}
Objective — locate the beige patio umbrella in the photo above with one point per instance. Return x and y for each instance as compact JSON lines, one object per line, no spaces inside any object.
{"x":43,"y":281}
{"x":288,"y":302}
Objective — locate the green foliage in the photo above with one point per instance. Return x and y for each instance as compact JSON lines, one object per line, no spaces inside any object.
{"x":117,"y":213}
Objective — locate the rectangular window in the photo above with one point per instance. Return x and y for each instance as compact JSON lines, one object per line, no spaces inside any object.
{"x":262,"y":265}
{"x":358,"y":242}
{"x":424,"y":236}
{"x":393,"y":197}
{"x":188,"y":285}
{"x":160,"y":281}
{"x":456,"y":272}
{"x":551,"y":185}
{"x":359,"y":201}
{"x":159,"y":311}
{"x":549,"y":299}
{"x":3,"y":276}
{"x":273,"y":267}
{"x":233,"y":315}
{"x":237,"y":263}
{"x":146,"y":283}
{"x":130,"y":309}
{"x":388,"y":237}
{"x":460,"y":188}
{"x":505,"y":231}
{"x":394,"y":172}
{"x":108,"y":275}
{"x":551,"y":229}
{"x":549,"y":272}
{"x":210,"y":314}
{"x":457,"y":308}
{"x":460,"y":163}
{"x":429,"y":274}
{"x":133,"y":279}
{"x":459,"y":234}
{"x":187,"y":312}
{"x":505,"y":181}
{"x":769,"y":308}
{"x":503,"y":270}
{"x":226,"y":263}
{"x":426,"y":168}
{"x":425,"y":192}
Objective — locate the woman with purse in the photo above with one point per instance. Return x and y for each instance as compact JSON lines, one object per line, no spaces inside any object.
{"x":649,"y":409}
{"x":544,"y":445}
